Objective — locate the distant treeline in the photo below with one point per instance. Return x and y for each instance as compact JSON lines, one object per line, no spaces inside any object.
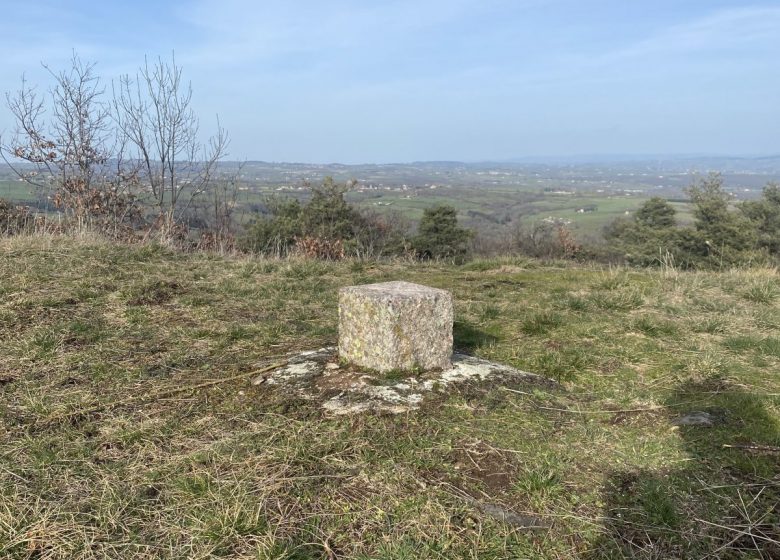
{"x":325,"y":225}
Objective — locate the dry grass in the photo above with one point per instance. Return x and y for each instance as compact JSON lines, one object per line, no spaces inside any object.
{"x":106,"y":452}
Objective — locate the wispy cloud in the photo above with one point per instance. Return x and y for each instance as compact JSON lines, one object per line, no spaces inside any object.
{"x":238,"y":31}
{"x":723,"y":31}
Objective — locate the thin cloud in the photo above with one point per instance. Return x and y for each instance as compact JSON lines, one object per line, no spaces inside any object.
{"x":238,"y":31}
{"x":723,"y":30}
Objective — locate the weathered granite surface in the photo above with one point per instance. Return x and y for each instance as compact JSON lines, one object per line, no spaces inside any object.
{"x":316,"y":376}
{"x":395,"y":326}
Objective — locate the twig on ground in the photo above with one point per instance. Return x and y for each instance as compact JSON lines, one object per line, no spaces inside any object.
{"x":764,"y":448}
{"x":626,"y":410}
{"x":524,"y":522}
{"x":740,"y":530}
{"x":603,"y":411}
{"x":159,"y":395}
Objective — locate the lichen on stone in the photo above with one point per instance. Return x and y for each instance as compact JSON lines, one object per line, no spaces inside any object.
{"x":316,"y":376}
{"x":395,"y":326}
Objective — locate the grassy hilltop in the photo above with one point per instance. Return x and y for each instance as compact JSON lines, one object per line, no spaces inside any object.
{"x":105,"y":452}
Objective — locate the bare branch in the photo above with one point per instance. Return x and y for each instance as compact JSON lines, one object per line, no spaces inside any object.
{"x":155,"y":116}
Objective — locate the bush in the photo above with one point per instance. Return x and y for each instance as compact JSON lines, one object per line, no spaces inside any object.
{"x":440,"y":237}
{"x":724,"y":231}
{"x":14,"y":219}
{"x":275,"y":234}
{"x":721,"y":236}
{"x":326,"y":227}
{"x":641,"y":245}
{"x":656,"y":213}
{"x":764,"y":214}
{"x":546,"y":239}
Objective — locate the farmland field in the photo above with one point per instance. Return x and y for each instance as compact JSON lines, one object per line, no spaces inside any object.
{"x":16,"y":191}
{"x":488,"y":197}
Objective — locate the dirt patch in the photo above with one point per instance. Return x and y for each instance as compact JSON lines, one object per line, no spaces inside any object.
{"x":485,"y":481}
{"x":156,"y":293}
{"x":495,"y":470}
{"x":334,"y":380}
{"x":638,"y":414}
{"x":6,"y":379}
{"x":610,"y":365}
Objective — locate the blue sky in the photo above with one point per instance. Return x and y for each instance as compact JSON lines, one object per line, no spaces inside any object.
{"x":402,"y":80}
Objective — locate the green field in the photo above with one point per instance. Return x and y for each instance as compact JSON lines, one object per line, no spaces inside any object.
{"x":483,"y":208}
{"x":480,"y":209}
{"x":16,"y":191}
{"x":129,"y":427}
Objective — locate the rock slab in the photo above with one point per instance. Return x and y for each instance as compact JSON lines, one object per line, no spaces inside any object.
{"x":395,"y":326}
{"x":315,"y":376}
{"x":697,"y":418}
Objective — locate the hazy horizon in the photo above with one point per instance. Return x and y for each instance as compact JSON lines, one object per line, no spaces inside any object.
{"x":438,"y":80}
{"x":541,"y":158}
{"x":554,"y":160}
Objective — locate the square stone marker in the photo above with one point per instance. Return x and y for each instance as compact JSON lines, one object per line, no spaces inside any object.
{"x":395,"y":326}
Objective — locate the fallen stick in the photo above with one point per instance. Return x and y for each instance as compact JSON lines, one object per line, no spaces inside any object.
{"x":158,"y":394}
{"x":520,"y":521}
{"x":604,"y":411}
{"x":767,"y":448}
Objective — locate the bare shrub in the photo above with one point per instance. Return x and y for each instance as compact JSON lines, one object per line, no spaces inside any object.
{"x":320,"y":248}
{"x":70,"y":152}
{"x":15,"y":219}
{"x":549,"y":239}
{"x":108,"y":163}
{"x":155,"y":121}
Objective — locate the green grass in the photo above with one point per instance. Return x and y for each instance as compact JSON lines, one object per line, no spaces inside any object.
{"x":93,"y":465}
{"x":16,"y":191}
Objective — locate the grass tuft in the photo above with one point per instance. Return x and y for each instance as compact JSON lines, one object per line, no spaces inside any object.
{"x":541,"y":323}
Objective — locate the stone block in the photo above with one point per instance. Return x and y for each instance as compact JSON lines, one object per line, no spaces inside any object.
{"x":395,"y":326}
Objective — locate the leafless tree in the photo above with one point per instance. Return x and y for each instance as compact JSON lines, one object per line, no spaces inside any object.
{"x":217,"y":211}
{"x":94,"y":154}
{"x":382,"y":234}
{"x":63,"y":143}
{"x":550,"y":239}
{"x":153,"y":113}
